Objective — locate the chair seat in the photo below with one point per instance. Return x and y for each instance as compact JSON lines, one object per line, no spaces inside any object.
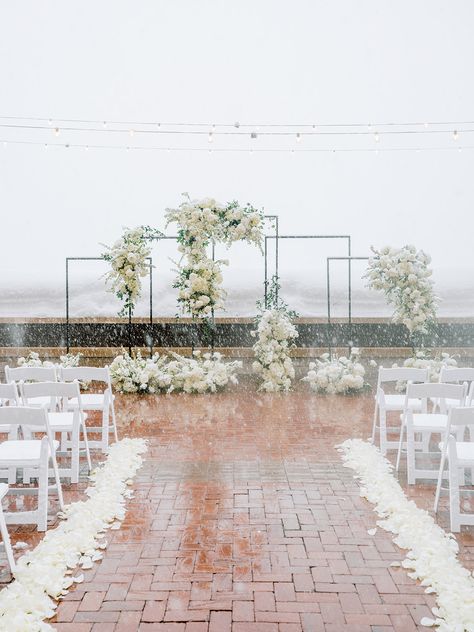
{"x":449,"y":403}
{"x":26,"y":450}
{"x":61,"y":420}
{"x":39,"y":401}
{"x":429,"y":421}
{"x":397,"y":402}
{"x":90,"y":401}
{"x":465,"y":451}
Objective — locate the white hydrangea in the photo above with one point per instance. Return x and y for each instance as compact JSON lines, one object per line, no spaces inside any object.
{"x":201,"y":373}
{"x":423,"y":359}
{"x":275,"y":333}
{"x":128,"y":258}
{"x":201,"y":222}
{"x":403,"y":275}
{"x":333,"y":374}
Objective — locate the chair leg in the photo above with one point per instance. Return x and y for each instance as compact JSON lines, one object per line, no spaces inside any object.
{"x":383,"y":431}
{"x":112,"y":408}
{"x":75,"y":454}
{"x":400,"y":444}
{"x":454,"y":500}
{"x":374,"y":423}
{"x":58,"y":482}
{"x":440,"y":476}
{"x":105,"y":429}
{"x":42,"y":521}
{"x":86,"y":445}
{"x":6,"y":542}
{"x":411,"y":477}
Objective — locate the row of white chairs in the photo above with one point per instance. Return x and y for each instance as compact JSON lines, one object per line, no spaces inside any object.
{"x":102,"y":401}
{"x":48,"y":400}
{"x":426,"y":409}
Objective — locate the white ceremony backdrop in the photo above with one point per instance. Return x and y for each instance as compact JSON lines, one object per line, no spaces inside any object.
{"x":214,"y":62}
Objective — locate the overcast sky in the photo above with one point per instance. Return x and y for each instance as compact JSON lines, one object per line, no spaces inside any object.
{"x":252,"y":61}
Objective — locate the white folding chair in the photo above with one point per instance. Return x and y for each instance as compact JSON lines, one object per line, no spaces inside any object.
{"x":460,"y":456}
{"x":68,"y":423}
{"x":33,"y":455}
{"x":455,"y":375}
{"x":425,"y":423}
{"x":9,"y":397}
{"x":102,"y":402}
{"x":4,"y":531}
{"x":32,"y":374}
{"x":388,"y":402}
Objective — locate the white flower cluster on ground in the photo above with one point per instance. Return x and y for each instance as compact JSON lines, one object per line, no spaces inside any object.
{"x":432,"y":553}
{"x":275,"y":334}
{"x":201,"y":222}
{"x":201,"y":373}
{"x":45,"y":574}
{"x":128,"y":258}
{"x":424,"y":360}
{"x":336,"y":374}
{"x":33,"y":359}
{"x":403,"y":275}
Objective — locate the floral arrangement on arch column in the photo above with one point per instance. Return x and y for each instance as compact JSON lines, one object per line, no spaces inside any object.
{"x":404,"y":276}
{"x":200,"y":223}
{"x":128,"y":258}
{"x":275,"y":335}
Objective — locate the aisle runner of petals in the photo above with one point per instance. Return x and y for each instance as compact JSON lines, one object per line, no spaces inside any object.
{"x":432,"y":553}
{"x":45,"y":574}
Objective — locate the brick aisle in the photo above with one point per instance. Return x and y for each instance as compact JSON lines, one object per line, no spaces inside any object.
{"x":244,"y":520}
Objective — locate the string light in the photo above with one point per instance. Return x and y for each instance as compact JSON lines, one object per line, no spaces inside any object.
{"x":210,"y":138}
{"x":455,"y":135}
{"x":376,"y":137}
{"x":56,"y":131}
{"x":298,"y":137}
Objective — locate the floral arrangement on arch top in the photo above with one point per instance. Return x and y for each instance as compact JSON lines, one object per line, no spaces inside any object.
{"x":128,"y":258}
{"x":200,"y":223}
{"x":275,"y":334}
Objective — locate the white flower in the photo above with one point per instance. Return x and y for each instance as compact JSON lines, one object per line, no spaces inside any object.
{"x":432,"y":553}
{"x":336,"y":374}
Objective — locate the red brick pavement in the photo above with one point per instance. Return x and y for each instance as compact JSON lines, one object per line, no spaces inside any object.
{"x":244,"y":520}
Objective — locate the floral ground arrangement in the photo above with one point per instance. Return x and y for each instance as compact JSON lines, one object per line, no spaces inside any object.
{"x":200,"y":373}
{"x":46,"y":574}
{"x":432,"y":553}
{"x":333,"y":374}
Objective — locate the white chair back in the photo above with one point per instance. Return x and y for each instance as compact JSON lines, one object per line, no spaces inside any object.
{"x":85,"y":374}
{"x":9,"y":394}
{"x":461,"y":416}
{"x":437,"y":390}
{"x":402,"y":374}
{"x":57,"y":391}
{"x":33,"y":373}
{"x":456,"y":374}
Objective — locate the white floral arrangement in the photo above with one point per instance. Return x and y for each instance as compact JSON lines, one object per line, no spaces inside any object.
{"x":423,"y":359}
{"x":201,"y":373}
{"x":403,"y":275}
{"x":275,"y":334}
{"x":44,"y":575}
{"x":128,"y":258}
{"x":431,"y":554}
{"x":199,"y":283}
{"x":33,"y":359}
{"x":201,"y":222}
{"x":337,"y":374}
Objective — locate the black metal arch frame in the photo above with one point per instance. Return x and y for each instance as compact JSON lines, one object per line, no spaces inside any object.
{"x":349,"y":259}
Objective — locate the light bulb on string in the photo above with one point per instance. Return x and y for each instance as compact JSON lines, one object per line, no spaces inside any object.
{"x":86,"y":147}
{"x":158,"y":125}
{"x":455,"y":135}
{"x":210,"y":138}
{"x":46,"y":146}
{"x":131,"y":132}
{"x":376,"y":137}
{"x":426,"y":125}
{"x":298,"y":137}
{"x":50,"y":122}
{"x":253,"y":135}
{"x":104,"y":123}
{"x":56,"y":131}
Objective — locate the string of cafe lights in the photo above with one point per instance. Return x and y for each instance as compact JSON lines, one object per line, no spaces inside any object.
{"x":377,"y":150}
{"x":57,"y":126}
